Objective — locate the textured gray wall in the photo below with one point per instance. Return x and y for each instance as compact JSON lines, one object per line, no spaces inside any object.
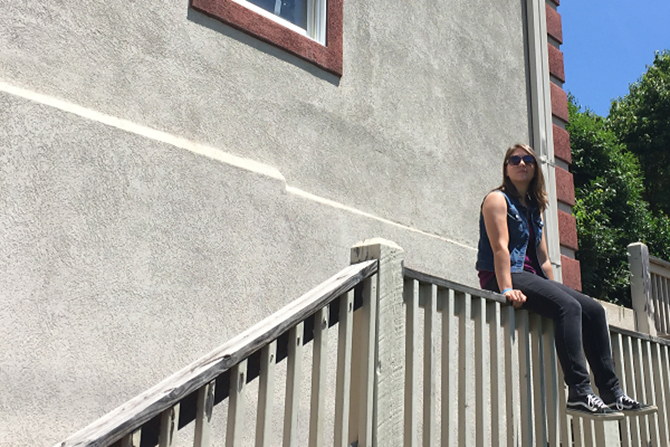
{"x":124,"y":257}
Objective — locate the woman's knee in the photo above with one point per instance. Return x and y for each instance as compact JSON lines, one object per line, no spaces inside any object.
{"x":594,"y":311}
{"x":571,"y":308}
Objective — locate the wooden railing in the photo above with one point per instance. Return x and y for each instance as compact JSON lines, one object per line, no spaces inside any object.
{"x":417,"y":360}
{"x":650,"y":291}
{"x":220,"y":382}
{"x":480,"y":373}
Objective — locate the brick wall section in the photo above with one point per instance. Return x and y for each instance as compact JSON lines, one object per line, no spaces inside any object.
{"x":567,"y":227}
{"x":572,"y":274}
{"x":565,"y":187}
{"x":562,"y":144}
{"x":559,"y":102}
{"x":554,"y":26}
{"x":556,"y":66}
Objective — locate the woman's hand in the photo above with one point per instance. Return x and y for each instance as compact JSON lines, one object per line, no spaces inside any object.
{"x":516,"y":297}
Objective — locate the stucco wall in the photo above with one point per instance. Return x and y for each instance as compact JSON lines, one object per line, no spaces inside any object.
{"x":125,"y":253}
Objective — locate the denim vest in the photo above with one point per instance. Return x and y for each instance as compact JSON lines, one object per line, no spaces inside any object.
{"x":518,"y":227}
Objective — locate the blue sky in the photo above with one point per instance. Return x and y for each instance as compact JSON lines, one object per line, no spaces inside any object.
{"x":608,"y":45}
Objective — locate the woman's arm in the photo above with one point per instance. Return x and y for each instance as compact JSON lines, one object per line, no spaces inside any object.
{"x":494,"y":210}
{"x":543,"y":257}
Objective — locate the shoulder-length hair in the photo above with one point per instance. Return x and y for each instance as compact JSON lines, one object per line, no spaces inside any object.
{"x":536,"y":191}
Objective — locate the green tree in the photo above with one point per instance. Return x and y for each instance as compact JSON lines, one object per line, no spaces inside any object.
{"x":610,"y":210}
{"x":641,"y":120}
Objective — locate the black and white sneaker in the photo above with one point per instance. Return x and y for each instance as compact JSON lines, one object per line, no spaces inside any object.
{"x":630,"y":406}
{"x":590,"y":405}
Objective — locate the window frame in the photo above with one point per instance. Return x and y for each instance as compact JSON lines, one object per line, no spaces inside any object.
{"x":327,"y":57}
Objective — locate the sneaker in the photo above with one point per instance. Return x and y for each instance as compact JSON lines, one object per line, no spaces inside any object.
{"x":591,"y":405}
{"x":629,"y":405}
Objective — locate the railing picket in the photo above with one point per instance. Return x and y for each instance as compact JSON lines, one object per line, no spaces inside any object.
{"x":664,"y":304}
{"x":497,"y":359}
{"x":618,"y":357}
{"x":664,"y":405}
{"x":203,"y":415}
{"x":133,"y":439}
{"x":482,"y":379}
{"x":237,"y":404}
{"x":551,"y":383}
{"x":169,"y":426}
{"x":538,"y":379}
{"x":319,"y":368}
{"x":630,"y":388}
{"x":343,"y":380}
{"x":293,"y":378}
{"x":639,"y":387}
{"x":362,"y":381}
{"x":466,"y":419}
{"x":429,"y":296}
{"x":650,"y":390}
{"x":512,"y":379}
{"x":449,"y":373}
{"x":266,"y":387}
{"x":525,"y":385}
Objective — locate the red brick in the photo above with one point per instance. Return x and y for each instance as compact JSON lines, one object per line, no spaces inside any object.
{"x":562,"y":144}
{"x":567,"y":230}
{"x":556,"y":66}
{"x":554,"y":25}
{"x":565,"y":186}
{"x":559,"y":102}
{"x":572,"y":275}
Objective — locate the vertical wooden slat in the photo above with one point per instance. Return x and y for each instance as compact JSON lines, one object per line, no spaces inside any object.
{"x":618,"y":354}
{"x":552,"y":386}
{"x":293,"y":378}
{"x":664,"y":404}
{"x":169,"y":426}
{"x":237,"y":404}
{"x":650,"y":390}
{"x":664,"y":304}
{"x":525,"y":376}
{"x":319,"y":370}
{"x":497,"y":358}
{"x":538,"y":379}
{"x":512,"y":379}
{"x":564,"y":420}
{"x":343,"y":380}
{"x":203,"y":415}
{"x":639,"y":387}
{"x":629,"y":366}
{"x":449,"y":373}
{"x":482,"y":378}
{"x":266,"y":386}
{"x":411,"y":294}
{"x":659,"y":397}
{"x":362,"y":381}
{"x":466,"y":419}
{"x":132,"y":439}
{"x":578,"y":431}
{"x":429,"y":296}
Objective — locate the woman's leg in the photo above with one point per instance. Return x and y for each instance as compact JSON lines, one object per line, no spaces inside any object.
{"x":597,"y":345}
{"x":551,"y":301}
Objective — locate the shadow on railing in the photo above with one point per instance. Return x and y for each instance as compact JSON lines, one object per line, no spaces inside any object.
{"x":419,"y":360}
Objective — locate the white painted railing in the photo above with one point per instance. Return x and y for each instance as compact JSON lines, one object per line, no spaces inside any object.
{"x":650,"y":291}
{"x":480,"y":373}
{"x":397,"y":358}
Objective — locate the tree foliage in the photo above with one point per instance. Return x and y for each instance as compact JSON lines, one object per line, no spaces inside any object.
{"x":615,"y":205}
{"x":641,"y":120}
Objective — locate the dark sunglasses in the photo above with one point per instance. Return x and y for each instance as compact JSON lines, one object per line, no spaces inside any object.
{"x":515,"y":160}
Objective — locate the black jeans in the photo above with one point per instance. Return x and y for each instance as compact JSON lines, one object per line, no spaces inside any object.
{"x":580,"y":327}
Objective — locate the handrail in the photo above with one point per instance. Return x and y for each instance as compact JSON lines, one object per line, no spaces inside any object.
{"x":141,"y":409}
{"x":425,"y":277}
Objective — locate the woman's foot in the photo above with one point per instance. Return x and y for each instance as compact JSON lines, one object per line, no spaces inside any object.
{"x":590,"y":405}
{"x":630,"y":406}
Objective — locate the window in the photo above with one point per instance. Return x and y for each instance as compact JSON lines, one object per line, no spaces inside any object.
{"x":310,"y":29}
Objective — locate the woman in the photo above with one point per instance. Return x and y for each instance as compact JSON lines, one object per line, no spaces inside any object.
{"x":513,"y":260}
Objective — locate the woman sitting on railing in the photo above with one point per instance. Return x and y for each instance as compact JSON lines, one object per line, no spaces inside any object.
{"x":513,"y":260}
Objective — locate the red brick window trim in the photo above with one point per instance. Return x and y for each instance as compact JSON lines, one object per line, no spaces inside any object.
{"x":328,"y":56}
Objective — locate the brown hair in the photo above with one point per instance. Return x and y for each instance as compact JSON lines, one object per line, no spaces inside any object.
{"x":536,"y":191}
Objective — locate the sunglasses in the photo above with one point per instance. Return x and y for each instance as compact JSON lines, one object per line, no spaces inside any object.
{"x":515,"y":160}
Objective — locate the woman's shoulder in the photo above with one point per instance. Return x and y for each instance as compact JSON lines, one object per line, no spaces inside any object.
{"x":495,"y":199}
